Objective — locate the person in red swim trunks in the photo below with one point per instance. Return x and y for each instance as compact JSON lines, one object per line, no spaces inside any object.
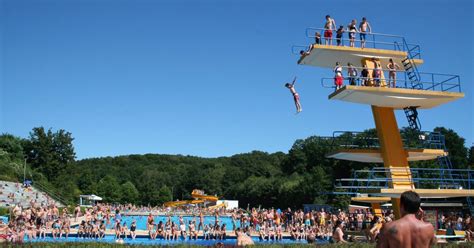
{"x":328,"y":28}
{"x":296,"y":97}
{"x":338,"y":76}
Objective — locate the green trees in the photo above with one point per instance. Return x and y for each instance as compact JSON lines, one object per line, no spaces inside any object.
{"x":458,"y":153}
{"x":50,"y":152}
{"x":303,"y":175}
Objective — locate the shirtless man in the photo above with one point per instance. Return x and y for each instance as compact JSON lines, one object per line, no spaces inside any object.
{"x":296,"y":97}
{"x":364,"y":27}
{"x":392,"y":72}
{"x":408,"y":231}
{"x":328,"y":28}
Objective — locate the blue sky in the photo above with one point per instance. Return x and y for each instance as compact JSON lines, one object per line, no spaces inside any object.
{"x":203,"y":77}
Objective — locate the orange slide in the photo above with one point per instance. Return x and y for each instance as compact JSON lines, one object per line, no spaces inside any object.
{"x":199,"y":197}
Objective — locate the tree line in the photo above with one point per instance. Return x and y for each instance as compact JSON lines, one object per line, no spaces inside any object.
{"x":300,"y":176}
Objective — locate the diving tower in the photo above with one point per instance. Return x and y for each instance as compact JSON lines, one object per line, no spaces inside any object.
{"x":413,"y":90}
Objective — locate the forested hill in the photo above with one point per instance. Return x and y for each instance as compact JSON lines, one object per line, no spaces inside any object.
{"x":303,"y":175}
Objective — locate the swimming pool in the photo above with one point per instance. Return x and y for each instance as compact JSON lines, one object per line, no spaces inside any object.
{"x":146,"y":241}
{"x":141,"y":221}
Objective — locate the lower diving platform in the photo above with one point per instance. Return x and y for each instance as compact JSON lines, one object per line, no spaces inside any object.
{"x":368,"y":199}
{"x":424,"y":193}
{"x":375,"y":155}
{"x":396,"y":98}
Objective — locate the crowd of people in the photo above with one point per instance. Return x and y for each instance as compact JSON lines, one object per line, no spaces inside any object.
{"x":375,"y":78}
{"x":38,"y":222}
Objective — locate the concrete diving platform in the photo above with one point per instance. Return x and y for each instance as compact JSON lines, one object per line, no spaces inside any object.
{"x":375,"y":155}
{"x":328,"y":55}
{"x":424,"y":193}
{"x":397,"y":98}
{"x":369,"y":199}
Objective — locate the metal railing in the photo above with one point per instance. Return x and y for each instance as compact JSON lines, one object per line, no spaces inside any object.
{"x":373,"y":40}
{"x":426,"y":178}
{"x":364,"y":140}
{"x":429,"y":81}
{"x":50,"y":192}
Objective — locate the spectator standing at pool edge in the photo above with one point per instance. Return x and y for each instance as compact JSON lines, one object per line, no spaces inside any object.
{"x":328,"y":27}
{"x":364,"y":27}
{"x":409,"y":231}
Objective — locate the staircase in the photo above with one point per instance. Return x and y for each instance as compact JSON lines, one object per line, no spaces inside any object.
{"x":412,"y":116}
{"x":414,"y":123}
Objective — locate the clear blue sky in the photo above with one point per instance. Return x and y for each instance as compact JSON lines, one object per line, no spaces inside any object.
{"x":203,"y":77}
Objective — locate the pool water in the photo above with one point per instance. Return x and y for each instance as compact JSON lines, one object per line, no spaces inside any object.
{"x":146,"y":241}
{"x":141,"y":221}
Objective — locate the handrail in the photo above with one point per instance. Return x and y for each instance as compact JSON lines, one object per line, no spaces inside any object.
{"x":50,"y":192}
{"x":356,"y":139}
{"x":443,"y":86}
{"x":393,"y":40}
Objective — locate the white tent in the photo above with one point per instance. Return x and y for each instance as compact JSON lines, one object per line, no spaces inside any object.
{"x":89,"y":200}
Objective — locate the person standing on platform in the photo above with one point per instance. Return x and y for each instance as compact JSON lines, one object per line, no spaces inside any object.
{"x":364,"y":27}
{"x":365,"y":75}
{"x":317,"y":38}
{"x":392,"y":72}
{"x":339,"y":33}
{"x":409,"y":231}
{"x":328,"y":28}
{"x":296,"y":97}
{"x":352,"y":32}
{"x":376,"y":73}
{"x":352,"y":72}
{"x":338,"y":79}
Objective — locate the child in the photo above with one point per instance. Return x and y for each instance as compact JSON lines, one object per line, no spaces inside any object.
{"x":365,"y":76}
{"x":296,"y":97}
{"x":338,"y":76}
{"x":339,"y":33}
{"x":317,"y":38}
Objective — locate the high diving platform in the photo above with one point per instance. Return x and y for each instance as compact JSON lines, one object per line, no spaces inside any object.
{"x":396,"y":98}
{"x":327,"y":56}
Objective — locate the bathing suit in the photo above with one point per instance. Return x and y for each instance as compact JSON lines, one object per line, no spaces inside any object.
{"x":327,"y":33}
{"x":132,"y":228}
{"x":352,"y":30}
{"x":296,"y":96}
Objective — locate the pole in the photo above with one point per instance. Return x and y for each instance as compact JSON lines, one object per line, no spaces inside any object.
{"x":24,"y":171}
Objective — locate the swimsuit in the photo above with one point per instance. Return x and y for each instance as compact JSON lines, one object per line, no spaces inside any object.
{"x":296,"y":96}
{"x":352,"y":30}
